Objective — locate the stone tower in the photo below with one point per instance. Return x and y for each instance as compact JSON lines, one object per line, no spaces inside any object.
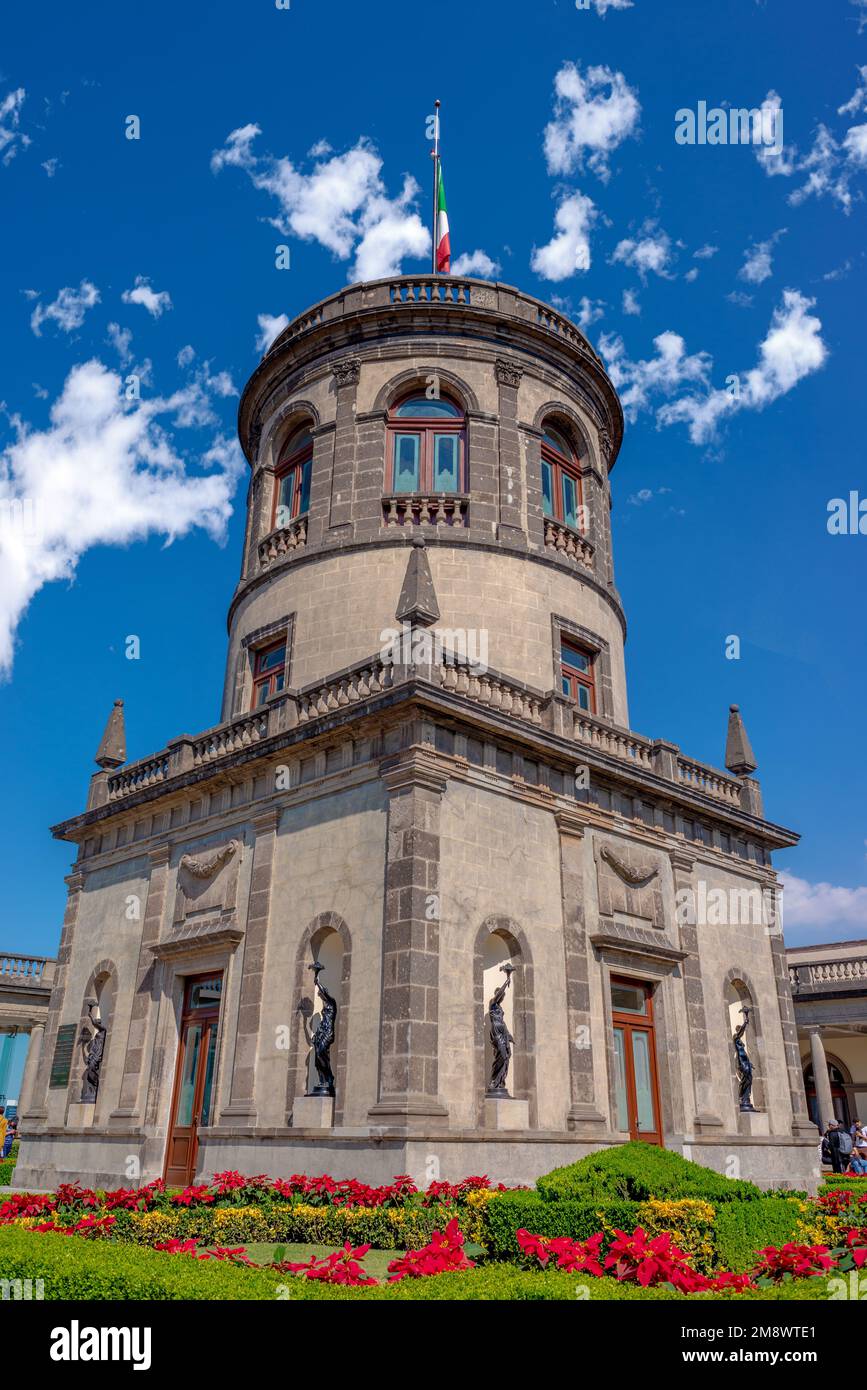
{"x":424,"y":772}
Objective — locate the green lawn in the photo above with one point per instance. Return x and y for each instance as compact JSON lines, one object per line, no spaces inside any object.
{"x":376,"y":1262}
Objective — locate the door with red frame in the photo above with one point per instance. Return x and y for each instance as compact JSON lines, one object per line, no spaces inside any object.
{"x":636,"y":1082}
{"x":193,"y":1094}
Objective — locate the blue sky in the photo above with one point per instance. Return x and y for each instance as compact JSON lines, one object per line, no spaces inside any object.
{"x":721,"y":509}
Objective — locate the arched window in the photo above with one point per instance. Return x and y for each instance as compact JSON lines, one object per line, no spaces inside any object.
{"x":292,"y":493}
{"x":561,"y":479}
{"x":426,"y":447}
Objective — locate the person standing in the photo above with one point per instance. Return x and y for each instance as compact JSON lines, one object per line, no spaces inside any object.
{"x":840,"y":1146}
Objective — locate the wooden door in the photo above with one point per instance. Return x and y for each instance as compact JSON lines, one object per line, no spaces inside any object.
{"x":192,"y":1098}
{"x":636,"y":1082}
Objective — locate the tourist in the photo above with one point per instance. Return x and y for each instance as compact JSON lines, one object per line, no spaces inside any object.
{"x":11,"y":1136}
{"x":858,"y":1163}
{"x":4,"y":1126}
{"x":840,"y":1146}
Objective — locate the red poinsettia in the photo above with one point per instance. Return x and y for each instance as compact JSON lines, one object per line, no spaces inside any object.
{"x":443,"y":1253}
{"x":635,"y":1259}
{"x":340,"y":1267}
{"x":791,"y":1261}
{"x":574,"y":1256}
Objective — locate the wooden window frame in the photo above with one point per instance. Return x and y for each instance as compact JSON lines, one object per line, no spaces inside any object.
{"x":427,"y":427}
{"x":560,"y":468}
{"x":294,"y":464}
{"x":576,"y":678}
{"x":269,"y":678}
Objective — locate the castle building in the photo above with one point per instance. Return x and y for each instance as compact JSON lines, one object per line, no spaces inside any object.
{"x":424,"y":772}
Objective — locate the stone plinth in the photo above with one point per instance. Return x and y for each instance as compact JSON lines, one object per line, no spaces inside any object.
{"x":313,"y":1112}
{"x":80,"y":1114}
{"x":753,"y":1122}
{"x":503,"y":1112}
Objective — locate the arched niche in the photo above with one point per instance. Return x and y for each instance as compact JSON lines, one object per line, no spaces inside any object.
{"x":327,"y":939}
{"x":498,"y":941}
{"x":737,"y":992}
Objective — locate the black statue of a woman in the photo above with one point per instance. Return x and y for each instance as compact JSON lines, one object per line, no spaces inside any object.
{"x":94,"y":1049}
{"x":323,"y":1037}
{"x":745,"y":1066}
{"x":501,"y":1038}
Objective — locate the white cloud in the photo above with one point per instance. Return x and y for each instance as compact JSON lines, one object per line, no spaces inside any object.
{"x":155,"y":301}
{"x":757,"y":266}
{"x":476,"y":263}
{"x":822,"y":905}
{"x":791,"y":350}
{"x":11,"y":139}
{"x":691,"y":275}
{"x":603,"y":6}
{"x":186,"y":355}
{"x":705,"y":252}
{"x":637,"y":382}
{"x":861,"y":5}
{"x":120,"y":339}
{"x":67,"y":310}
{"x":858,"y":101}
{"x":270,"y":326}
{"x":50,"y":166}
{"x":589,"y":311}
{"x":104,"y":472}
{"x":569,"y":249}
{"x":775,"y":162}
{"x":593,"y":114}
{"x":649,"y":251}
{"x":342,"y":204}
{"x":630,"y":303}
{"x":831,"y":162}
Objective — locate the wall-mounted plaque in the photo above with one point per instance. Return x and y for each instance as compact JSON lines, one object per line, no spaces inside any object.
{"x":63,"y":1050}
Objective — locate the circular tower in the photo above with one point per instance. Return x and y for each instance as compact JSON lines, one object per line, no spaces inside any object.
{"x":459,"y":411}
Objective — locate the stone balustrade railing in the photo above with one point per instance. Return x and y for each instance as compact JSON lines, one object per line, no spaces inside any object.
{"x":710,"y":781}
{"x":229,"y":738}
{"x":430,"y":289}
{"x":283,"y":541}
{"x":618,"y":743}
{"x":136,"y":777}
{"x":356,"y":684}
{"x":488,"y":688}
{"x":436,"y":509}
{"x":23,"y":969}
{"x":453,"y":673}
{"x":828,"y":974}
{"x":564,"y":540}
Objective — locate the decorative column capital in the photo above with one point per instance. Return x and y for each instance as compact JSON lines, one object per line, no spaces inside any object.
{"x":682,"y":862}
{"x":347,"y":371}
{"x":570,"y":822}
{"x":508,"y":373}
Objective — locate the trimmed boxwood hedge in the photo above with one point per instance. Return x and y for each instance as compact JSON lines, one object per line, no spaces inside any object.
{"x":740,"y":1228}
{"x":636,"y":1172}
{"x":79,"y":1269}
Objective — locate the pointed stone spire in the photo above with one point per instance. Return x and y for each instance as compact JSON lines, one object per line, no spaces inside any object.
{"x":112,"y":750}
{"x":740,"y":758}
{"x":418,"y":600}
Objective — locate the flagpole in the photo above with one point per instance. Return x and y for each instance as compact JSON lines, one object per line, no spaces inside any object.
{"x":436,"y":162}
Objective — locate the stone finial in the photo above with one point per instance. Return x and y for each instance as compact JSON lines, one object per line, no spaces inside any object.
{"x":418,"y":600}
{"x":112,"y":750}
{"x":740,"y":758}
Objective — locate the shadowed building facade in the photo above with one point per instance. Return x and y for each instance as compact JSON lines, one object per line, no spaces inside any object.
{"x":424,"y":771}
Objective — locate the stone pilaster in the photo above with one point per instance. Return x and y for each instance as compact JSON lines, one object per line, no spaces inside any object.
{"x":582,"y":1115}
{"x":801,"y":1122}
{"x":511,"y":474}
{"x":346,"y":376}
{"x":409,"y":1021}
{"x":145,"y":1002}
{"x":31,"y":1068}
{"x":242,"y":1104}
{"x":39,"y":1103}
{"x":705,"y":1120}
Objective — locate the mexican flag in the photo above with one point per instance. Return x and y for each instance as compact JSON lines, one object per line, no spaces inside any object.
{"x":441,"y":235}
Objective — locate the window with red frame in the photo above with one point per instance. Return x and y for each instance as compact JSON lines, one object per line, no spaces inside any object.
{"x":292,"y":493}
{"x":577,"y":675}
{"x":561,"y":480}
{"x":269,"y":672}
{"x":426,"y":447}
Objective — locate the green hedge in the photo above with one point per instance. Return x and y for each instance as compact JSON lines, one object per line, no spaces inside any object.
{"x":73,"y":1268}
{"x":739,"y":1229}
{"x":636,"y":1172}
{"x":7,"y":1165}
